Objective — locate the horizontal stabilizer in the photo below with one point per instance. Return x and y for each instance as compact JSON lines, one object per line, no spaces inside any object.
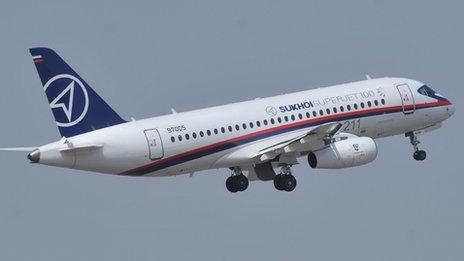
{"x":82,"y":147}
{"x":19,"y":149}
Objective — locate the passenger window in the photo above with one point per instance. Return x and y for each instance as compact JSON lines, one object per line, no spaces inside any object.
{"x":328,"y":111}
{"x":230,"y":128}
{"x":179,"y":137}
{"x":382,"y":101}
{"x":286,"y":118}
{"x":362,"y":105}
{"x":173,"y":139}
{"x":223,"y":130}
{"x":187,"y":136}
{"x":194,"y":135}
{"x":237,"y":127}
{"x":215,"y":131}
{"x":355,"y":106}
{"x":321,"y":112}
{"x":348,"y":107}
{"x":272,"y":121}
{"x":342,"y":109}
{"x":308,"y":114}
{"x":202,"y":134}
{"x":314,"y":113}
{"x":292,"y":117}
{"x":244,"y":126}
{"x":251,"y":125}
{"x":208,"y":132}
{"x":300,"y":116}
{"x":279,"y":119}
{"x":265,"y":122}
{"x":369,"y":104}
{"x":376,"y":103}
{"x":334,"y":110}
{"x":258,"y":123}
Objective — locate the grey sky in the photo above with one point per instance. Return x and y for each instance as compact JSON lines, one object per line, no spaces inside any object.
{"x":147,"y":57}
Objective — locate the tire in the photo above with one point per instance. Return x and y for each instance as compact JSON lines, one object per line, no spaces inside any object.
{"x":420,"y":155}
{"x":241,"y":182}
{"x":278,"y":181}
{"x":289,"y":183}
{"x":230,"y":184}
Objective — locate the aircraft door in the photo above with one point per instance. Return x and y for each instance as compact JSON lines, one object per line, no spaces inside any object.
{"x":155,"y":144}
{"x":407,"y":98}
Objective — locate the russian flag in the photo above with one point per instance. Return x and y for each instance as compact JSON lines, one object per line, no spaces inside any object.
{"x":37,"y":59}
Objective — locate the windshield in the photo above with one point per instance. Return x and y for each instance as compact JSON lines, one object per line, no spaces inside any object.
{"x":429,"y":92}
{"x":426,"y":90}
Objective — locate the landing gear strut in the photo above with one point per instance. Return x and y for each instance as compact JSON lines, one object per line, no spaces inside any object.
{"x":285,"y":180}
{"x":418,"y":154}
{"x":237,"y":181}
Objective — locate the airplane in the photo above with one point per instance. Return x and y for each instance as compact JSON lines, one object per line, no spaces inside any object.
{"x":331,"y":128}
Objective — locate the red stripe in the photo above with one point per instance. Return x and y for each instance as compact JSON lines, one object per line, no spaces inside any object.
{"x":294,"y":124}
{"x":39,"y":60}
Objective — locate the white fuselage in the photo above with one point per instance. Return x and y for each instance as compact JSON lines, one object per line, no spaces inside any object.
{"x":228,"y":136}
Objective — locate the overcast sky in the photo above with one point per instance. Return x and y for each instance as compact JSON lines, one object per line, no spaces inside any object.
{"x":147,"y":57}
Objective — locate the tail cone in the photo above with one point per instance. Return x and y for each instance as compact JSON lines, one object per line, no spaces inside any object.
{"x":34,"y":156}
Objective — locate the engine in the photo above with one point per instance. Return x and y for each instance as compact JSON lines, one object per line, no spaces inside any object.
{"x":344,"y":154}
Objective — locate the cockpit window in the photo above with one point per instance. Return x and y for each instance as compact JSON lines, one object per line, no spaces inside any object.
{"x":426,"y":90}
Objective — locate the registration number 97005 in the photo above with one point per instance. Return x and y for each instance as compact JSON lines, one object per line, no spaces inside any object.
{"x":176,"y":128}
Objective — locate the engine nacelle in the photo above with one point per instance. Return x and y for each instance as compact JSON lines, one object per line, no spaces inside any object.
{"x":344,"y":154}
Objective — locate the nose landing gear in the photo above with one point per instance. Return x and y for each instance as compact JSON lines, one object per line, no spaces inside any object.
{"x":418,"y":154}
{"x":237,"y":181}
{"x":285,"y":180}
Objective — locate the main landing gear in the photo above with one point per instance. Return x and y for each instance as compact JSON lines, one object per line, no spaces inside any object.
{"x":237,"y":181}
{"x":418,"y":154}
{"x":285,"y":180}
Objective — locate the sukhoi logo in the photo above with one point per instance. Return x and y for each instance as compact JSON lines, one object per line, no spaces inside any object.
{"x":296,"y":106}
{"x":271,"y":111}
{"x":68,"y":99}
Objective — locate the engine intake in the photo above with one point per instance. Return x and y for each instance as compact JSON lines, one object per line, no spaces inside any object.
{"x":344,"y":154}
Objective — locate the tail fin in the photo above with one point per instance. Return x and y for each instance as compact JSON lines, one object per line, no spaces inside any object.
{"x":77,"y":108}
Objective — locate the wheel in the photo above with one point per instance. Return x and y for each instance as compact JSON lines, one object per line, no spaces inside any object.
{"x":241,"y":182}
{"x":289,"y":183}
{"x":278,"y":181}
{"x":230,"y":184}
{"x":420,"y":155}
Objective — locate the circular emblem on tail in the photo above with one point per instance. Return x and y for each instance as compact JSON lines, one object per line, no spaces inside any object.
{"x":68,"y":99}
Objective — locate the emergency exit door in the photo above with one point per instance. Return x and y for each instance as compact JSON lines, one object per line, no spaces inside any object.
{"x":407,"y":98}
{"x":155,"y":145}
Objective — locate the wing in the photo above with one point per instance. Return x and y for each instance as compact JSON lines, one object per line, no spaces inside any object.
{"x":284,"y":148}
{"x":311,"y":140}
{"x":260,"y":158}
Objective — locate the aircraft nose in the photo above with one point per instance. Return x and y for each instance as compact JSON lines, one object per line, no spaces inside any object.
{"x":34,"y":156}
